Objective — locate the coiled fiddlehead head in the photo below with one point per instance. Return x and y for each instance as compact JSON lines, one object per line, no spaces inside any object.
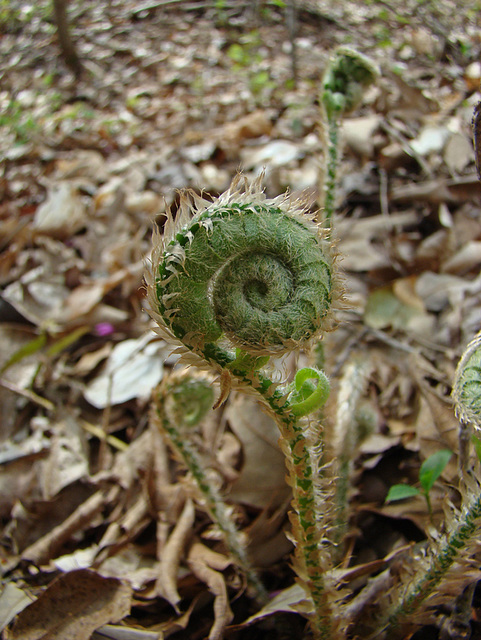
{"x":253,"y":271}
{"x":467,"y":384}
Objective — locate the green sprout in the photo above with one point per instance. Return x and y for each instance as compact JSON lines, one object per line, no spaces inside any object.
{"x":429,"y":472}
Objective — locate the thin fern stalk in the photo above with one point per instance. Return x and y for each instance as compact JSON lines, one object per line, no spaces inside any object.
{"x":214,"y":503}
{"x":308,"y":518}
{"x":333,"y":124}
{"x":346,"y":437}
{"x":345,"y":80}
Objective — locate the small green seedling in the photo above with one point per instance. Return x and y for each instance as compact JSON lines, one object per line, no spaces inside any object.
{"x":429,"y":472}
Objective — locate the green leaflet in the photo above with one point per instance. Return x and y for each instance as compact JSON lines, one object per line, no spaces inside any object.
{"x":254,"y":273}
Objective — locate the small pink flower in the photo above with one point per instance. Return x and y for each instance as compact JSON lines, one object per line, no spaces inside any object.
{"x":104,"y":329}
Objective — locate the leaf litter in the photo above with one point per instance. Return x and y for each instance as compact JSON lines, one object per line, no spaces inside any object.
{"x":93,"y":506}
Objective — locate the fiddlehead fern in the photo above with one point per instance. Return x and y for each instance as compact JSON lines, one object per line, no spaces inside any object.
{"x":347,"y":76}
{"x":234,"y":281}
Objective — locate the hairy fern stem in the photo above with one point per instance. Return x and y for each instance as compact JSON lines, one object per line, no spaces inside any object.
{"x":456,"y":546}
{"x":175,"y":424}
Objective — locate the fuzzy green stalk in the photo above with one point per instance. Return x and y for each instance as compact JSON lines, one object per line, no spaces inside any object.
{"x":454,"y":546}
{"x":190,"y":409}
{"x":333,"y":122}
{"x":457,"y":544}
{"x":312,"y":561}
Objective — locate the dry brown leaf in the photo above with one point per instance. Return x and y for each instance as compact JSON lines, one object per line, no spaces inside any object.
{"x":72,"y":608}
{"x":171,"y":554}
{"x":252,"y":125}
{"x":130,"y":563}
{"x":116,"y":632}
{"x":127,"y":527}
{"x":440,"y":190}
{"x":132,"y":369}
{"x":206,"y":566}
{"x":359,"y":133}
{"x":63,"y":212}
{"x":464,"y":260}
{"x":290,"y":600}
{"x":46,"y":547}
{"x":269,"y":541}
{"x":68,"y":458}
{"x":12,"y":601}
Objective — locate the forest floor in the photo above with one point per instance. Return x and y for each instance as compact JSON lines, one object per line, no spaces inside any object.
{"x":183,"y":95}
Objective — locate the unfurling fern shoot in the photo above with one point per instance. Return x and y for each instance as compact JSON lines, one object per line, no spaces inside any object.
{"x":233,"y":282}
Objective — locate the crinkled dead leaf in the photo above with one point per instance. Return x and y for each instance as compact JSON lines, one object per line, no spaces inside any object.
{"x":12,"y":601}
{"x":289,"y":600}
{"x":363,"y":247}
{"x":171,"y":555}
{"x":68,"y":458}
{"x":72,"y":607}
{"x":130,"y":563}
{"x":63,"y":213}
{"x":207,"y":565}
{"x":46,"y":547}
{"x":359,"y":133}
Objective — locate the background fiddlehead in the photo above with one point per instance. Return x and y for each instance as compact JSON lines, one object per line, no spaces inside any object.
{"x":347,"y":76}
{"x":182,"y":401}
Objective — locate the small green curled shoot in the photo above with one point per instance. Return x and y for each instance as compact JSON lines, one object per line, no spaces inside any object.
{"x":307,"y":395}
{"x":345,"y":80}
{"x":191,"y":400}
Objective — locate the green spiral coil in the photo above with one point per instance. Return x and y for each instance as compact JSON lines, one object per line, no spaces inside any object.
{"x":257,"y":272}
{"x":467,"y":384}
